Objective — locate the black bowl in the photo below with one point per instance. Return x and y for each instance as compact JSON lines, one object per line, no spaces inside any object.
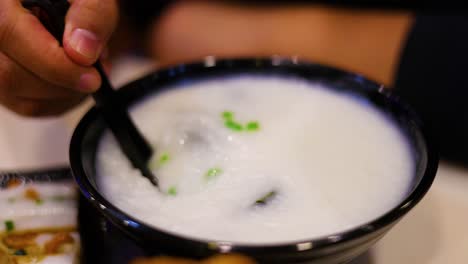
{"x":335,"y":248}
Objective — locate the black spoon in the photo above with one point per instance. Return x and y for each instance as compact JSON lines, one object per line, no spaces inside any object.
{"x":52,"y":15}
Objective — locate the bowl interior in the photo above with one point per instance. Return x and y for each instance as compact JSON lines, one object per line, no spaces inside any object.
{"x":89,"y":131}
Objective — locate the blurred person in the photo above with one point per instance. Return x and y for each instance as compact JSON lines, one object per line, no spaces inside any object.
{"x":367,"y":42}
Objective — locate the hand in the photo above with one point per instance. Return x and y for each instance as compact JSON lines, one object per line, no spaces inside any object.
{"x":38,"y":77}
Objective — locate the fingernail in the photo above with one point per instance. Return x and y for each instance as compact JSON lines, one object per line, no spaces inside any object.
{"x":88,"y":83}
{"x":85,"y":42}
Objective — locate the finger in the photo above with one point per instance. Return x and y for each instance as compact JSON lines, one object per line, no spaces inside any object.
{"x":18,"y":81}
{"x":26,"y":41}
{"x":105,"y":61}
{"x":89,"y":25}
{"x":25,"y":94}
{"x":39,"y":108}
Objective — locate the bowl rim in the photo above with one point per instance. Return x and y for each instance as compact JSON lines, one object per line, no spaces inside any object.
{"x":132,"y":224}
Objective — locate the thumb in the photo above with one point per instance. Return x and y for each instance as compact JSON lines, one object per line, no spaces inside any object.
{"x":89,"y":25}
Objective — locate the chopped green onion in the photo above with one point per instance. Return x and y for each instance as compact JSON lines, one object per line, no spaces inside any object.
{"x":172,"y":191}
{"x":227,"y":115}
{"x":39,"y":201}
{"x":164,"y":158}
{"x":20,"y":252}
{"x":9,"y":225}
{"x":266,"y":198}
{"x":253,"y":126}
{"x":11,"y":199}
{"x":212,"y":173}
{"x":233,"y":125}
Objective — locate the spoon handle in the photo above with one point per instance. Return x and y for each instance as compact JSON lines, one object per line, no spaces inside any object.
{"x":132,"y":142}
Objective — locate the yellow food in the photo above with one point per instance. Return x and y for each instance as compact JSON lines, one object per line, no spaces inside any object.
{"x":218,"y":259}
{"x":34,"y":246}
